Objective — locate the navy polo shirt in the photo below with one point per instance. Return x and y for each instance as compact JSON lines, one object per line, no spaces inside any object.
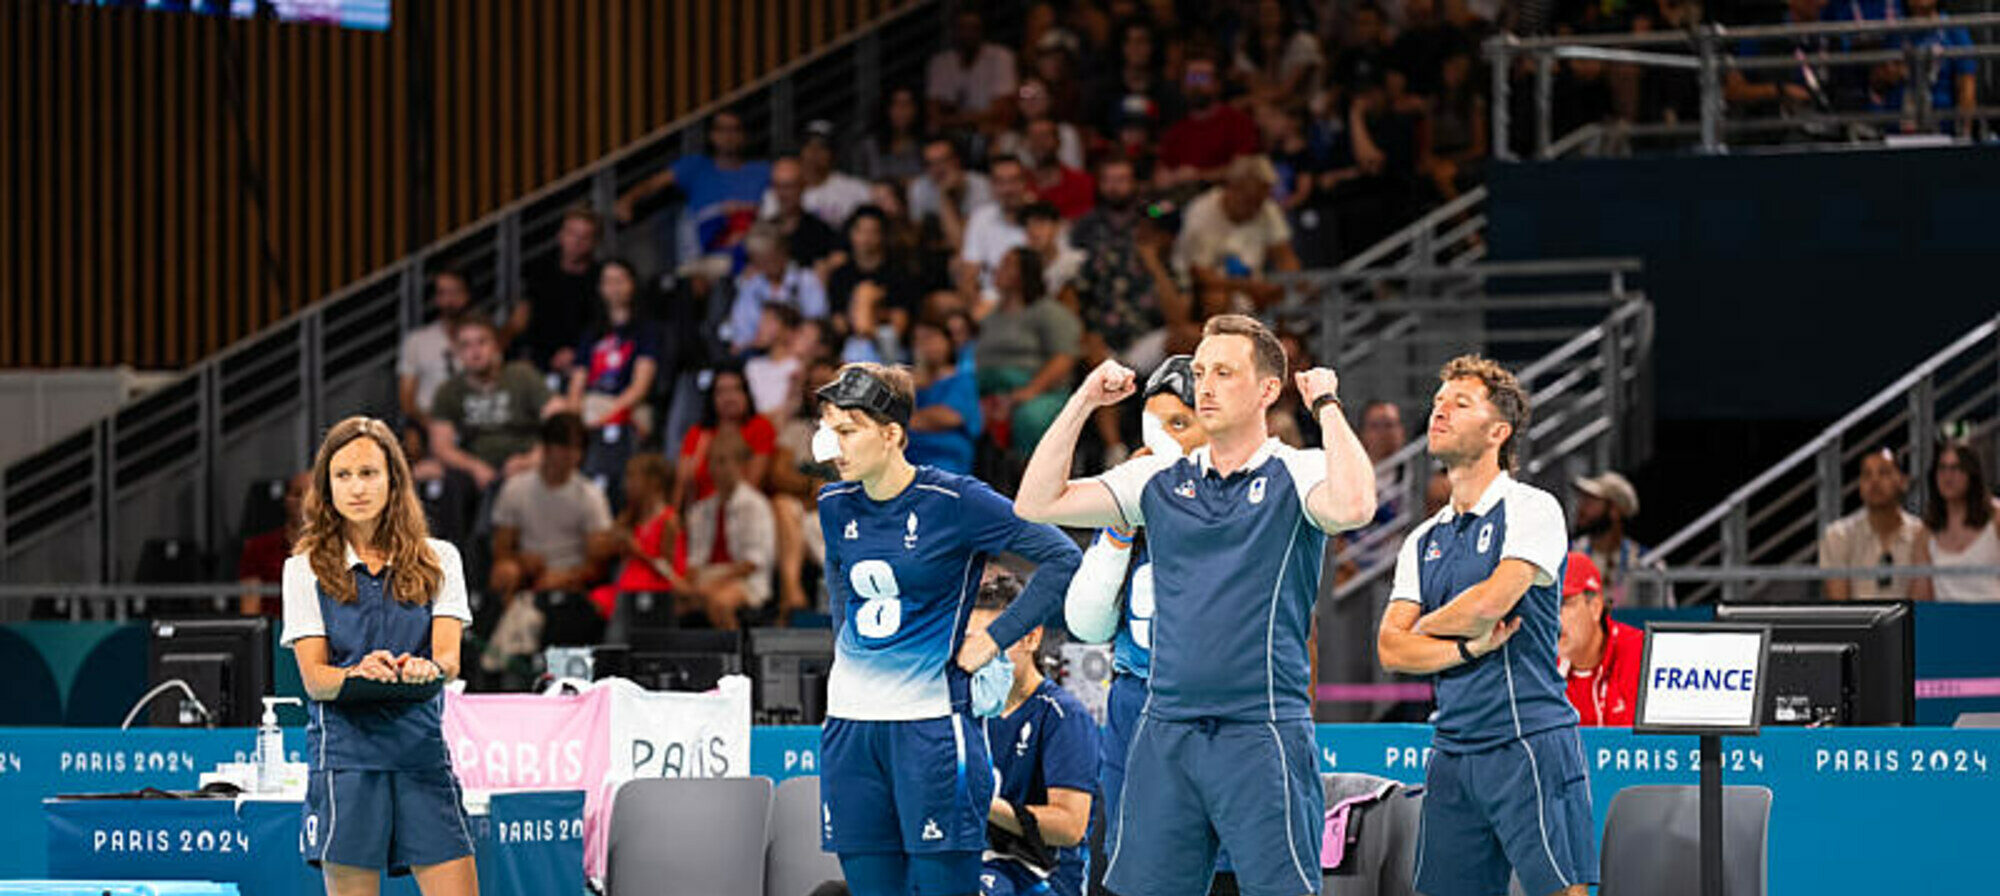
{"x":1235,"y":570}
{"x":1517,"y":690}
{"x":375,"y":736}
{"x":1048,"y":741}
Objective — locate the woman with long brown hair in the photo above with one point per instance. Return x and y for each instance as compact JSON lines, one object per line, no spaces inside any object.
{"x":1961,"y":527}
{"x":369,"y":595}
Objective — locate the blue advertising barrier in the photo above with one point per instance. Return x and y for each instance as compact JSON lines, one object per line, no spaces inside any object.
{"x":528,"y":843}
{"x":37,"y":763}
{"x":1856,"y":810}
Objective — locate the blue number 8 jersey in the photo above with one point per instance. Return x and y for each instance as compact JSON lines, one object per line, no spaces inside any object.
{"x":902,"y":575}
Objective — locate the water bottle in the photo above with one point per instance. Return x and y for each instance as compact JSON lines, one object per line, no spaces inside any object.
{"x":271,"y":746}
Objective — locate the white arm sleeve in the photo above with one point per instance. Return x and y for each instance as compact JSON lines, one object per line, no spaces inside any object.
{"x":1408,"y":585}
{"x":1127,"y":483}
{"x":451,"y":600}
{"x":1091,"y":607}
{"x":1536,"y":532}
{"x":1308,"y":471}
{"x":301,"y":602}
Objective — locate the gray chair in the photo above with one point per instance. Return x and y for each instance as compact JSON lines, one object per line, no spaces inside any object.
{"x":691,"y":836}
{"x":1652,"y":841}
{"x":1385,"y":861}
{"x":794,"y":864}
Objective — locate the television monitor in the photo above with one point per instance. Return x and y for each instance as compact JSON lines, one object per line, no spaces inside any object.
{"x":1837,"y":664}
{"x":226,"y":662}
{"x":788,"y":669}
{"x":683,"y":659}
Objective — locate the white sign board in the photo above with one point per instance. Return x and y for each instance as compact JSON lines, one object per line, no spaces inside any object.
{"x":1702,"y":678}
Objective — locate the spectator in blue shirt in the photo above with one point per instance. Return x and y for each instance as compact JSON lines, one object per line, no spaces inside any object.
{"x":1953,"y":82}
{"x":1808,"y":85}
{"x":771,"y":277}
{"x":721,"y":191}
{"x":1865,"y":10}
{"x":946,"y":424}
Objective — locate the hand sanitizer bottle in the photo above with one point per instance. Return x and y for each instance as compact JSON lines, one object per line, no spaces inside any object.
{"x":271,"y":746}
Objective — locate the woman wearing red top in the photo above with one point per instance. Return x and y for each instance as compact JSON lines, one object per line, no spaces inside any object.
{"x":1600,"y":657}
{"x":728,"y":406}
{"x":649,"y":533}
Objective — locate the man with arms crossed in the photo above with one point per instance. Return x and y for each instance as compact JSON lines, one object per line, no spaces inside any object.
{"x":1506,"y":788}
{"x":1223,"y":754}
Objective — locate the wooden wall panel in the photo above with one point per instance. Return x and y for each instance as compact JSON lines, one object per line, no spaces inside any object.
{"x":170,"y":183}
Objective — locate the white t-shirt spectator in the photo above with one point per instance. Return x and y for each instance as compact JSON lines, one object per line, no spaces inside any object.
{"x":554,"y":522}
{"x":1208,"y":238}
{"x":1850,"y":543}
{"x":927,"y":201}
{"x":770,"y":380}
{"x":751,"y":530}
{"x":427,"y":355}
{"x":971,"y":88}
{"x":832,"y":201}
{"x":989,"y":236}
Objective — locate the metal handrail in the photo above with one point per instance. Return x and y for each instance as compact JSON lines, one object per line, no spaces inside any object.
{"x":1590,"y":421}
{"x":1710,"y":56}
{"x":1768,"y":518}
{"x":1648,"y":584}
{"x":1831,"y":435}
{"x":340,"y":341}
{"x":1355,"y":326}
{"x":1750,"y":32}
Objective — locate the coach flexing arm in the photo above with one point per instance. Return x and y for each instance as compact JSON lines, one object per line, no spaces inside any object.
{"x":1344,"y":500}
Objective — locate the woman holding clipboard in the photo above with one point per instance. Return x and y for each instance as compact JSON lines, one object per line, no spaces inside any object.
{"x":373,"y":611}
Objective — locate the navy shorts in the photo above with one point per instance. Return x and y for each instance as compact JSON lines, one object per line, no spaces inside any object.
{"x":913,"y":787}
{"x":1522,"y":806}
{"x":388,"y":820}
{"x":1252,"y":788}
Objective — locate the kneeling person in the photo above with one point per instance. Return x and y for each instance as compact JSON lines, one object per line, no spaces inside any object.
{"x":1044,"y":746}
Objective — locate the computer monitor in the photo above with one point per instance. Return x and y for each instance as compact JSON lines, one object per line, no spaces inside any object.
{"x":1837,"y":664}
{"x":226,"y":662}
{"x":683,"y":659}
{"x":788,"y":669}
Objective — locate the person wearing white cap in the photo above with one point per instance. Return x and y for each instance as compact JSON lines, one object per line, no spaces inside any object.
{"x":1604,"y":503}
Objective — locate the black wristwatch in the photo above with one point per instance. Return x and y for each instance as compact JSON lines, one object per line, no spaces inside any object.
{"x":1463,"y":652}
{"x":1324,"y":400}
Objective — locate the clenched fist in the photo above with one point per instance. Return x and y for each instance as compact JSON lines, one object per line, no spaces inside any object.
{"x":1109,"y":384}
{"x":1317,"y":382}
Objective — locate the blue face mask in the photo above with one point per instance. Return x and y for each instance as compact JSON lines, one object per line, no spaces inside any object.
{"x":990,"y":686}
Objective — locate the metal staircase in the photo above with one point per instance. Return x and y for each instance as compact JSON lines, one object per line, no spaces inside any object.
{"x":1775,"y":519}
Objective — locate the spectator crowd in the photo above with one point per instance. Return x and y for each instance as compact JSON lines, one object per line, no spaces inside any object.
{"x":1096,"y":190}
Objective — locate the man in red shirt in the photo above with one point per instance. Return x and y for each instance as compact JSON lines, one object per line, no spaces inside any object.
{"x":1200,"y":146}
{"x":1600,"y":657}
{"x":1072,"y":192}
